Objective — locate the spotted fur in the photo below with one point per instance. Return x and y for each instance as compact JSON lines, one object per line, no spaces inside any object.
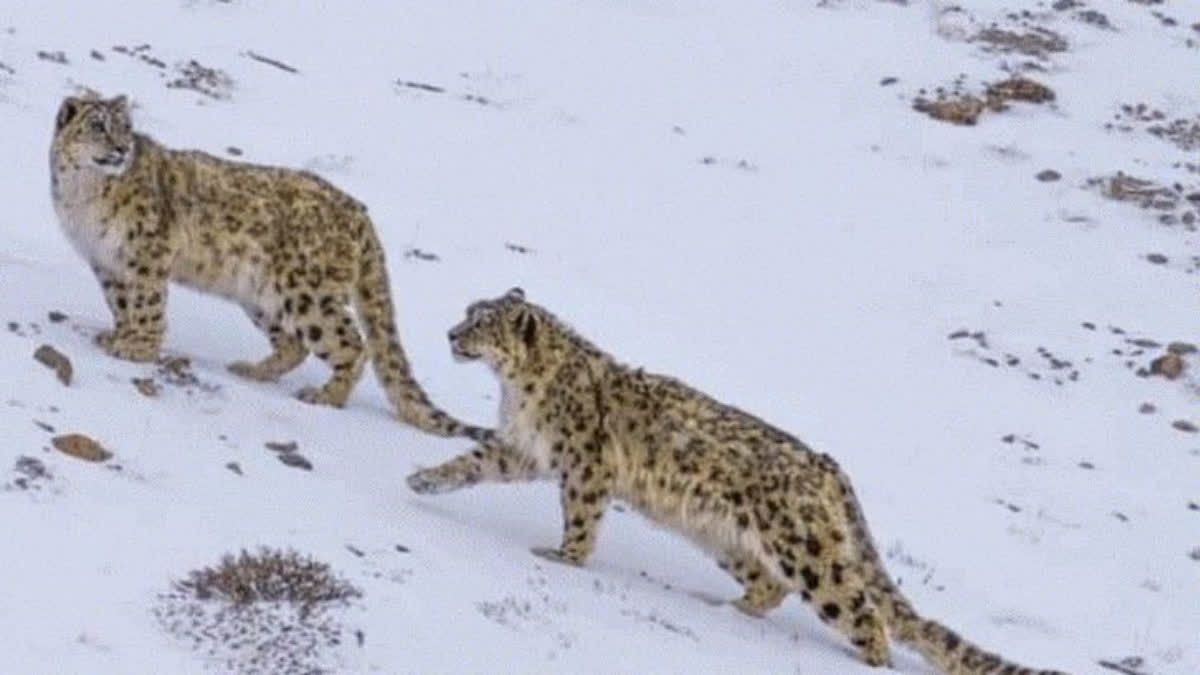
{"x":778,"y":516}
{"x":298,"y":255}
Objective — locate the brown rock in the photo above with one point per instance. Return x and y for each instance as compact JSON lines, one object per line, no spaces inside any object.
{"x":56,"y":361}
{"x":1169,"y":365}
{"x":81,"y":447}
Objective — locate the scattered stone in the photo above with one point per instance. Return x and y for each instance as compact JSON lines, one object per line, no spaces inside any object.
{"x":96,"y":55}
{"x":888,"y":81}
{"x":1048,"y":176}
{"x":1147,"y":409}
{"x":1037,"y":42}
{"x":1185,"y":426}
{"x":56,"y":316}
{"x":56,"y":361}
{"x":295,"y":460}
{"x":1181,"y":348}
{"x":44,"y":427}
{"x":282,"y":446}
{"x":402,"y":548}
{"x":34,"y":469}
{"x":517,"y":248}
{"x":80,"y":446}
{"x":210,"y":82}
{"x":358,"y":552}
{"x":418,"y":254}
{"x":1168,"y":365}
{"x":1095,"y":18}
{"x":1157,"y":258}
{"x":234,"y":467}
{"x":1193,"y":506}
{"x":146,"y":386}
{"x":1087,"y":465}
{"x":1195,"y":554}
{"x":53,"y":57}
{"x":234,"y":150}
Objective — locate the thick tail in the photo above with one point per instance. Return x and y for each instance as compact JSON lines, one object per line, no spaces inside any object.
{"x":940,"y":645}
{"x":376,"y":312}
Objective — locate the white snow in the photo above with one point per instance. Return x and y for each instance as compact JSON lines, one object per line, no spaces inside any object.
{"x":721,"y":191}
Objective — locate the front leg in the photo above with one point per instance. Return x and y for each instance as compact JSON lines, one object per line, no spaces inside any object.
{"x":138,"y":304}
{"x":491,"y":462}
{"x":586,"y":493}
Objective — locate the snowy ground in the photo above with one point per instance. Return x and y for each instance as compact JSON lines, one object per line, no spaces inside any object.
{"x":737,"y":193}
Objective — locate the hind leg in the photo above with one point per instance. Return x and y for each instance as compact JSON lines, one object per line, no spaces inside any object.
{"x":328,"y":331}
{"x":287,"y":350}
{"x":815,"y":564}
{"x":761,"y":591}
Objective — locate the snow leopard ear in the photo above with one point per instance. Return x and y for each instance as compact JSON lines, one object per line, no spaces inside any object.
{"x":120,"y":102}
{"x":66,"y":112}
{"x":515,"y":293}
{"x":526,"y":325}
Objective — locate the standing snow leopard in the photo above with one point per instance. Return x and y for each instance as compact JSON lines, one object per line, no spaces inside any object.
{"x":300,"y":256}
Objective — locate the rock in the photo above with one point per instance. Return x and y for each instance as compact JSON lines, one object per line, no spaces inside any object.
{"x":1147,"y":408}
{"x":282,"y":446}
{"x":56,"y":361}
{"x":1168,"y":365}
{"x":1185,"y":426}
{"x":146,"y":386}
{"x":1048,"y":175}
{"x":295,"y":459}
{"x":1156,"y":258}
{"x":56,"y":316}
{"x":1181,"y":348}
{"x":234,"y":467}
{"x":81,"y":447}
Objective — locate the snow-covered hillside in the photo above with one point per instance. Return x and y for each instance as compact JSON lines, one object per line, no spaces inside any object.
{"x":736,"y":193}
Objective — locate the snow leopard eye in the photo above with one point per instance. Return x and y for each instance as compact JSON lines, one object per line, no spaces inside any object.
{"x":97,"y":126}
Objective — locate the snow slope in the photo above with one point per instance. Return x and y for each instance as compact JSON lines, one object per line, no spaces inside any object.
{"x":723,"y":191}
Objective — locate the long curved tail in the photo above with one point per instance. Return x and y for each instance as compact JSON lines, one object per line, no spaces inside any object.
{"x":376,"y":313}
{"x":941,"y":646}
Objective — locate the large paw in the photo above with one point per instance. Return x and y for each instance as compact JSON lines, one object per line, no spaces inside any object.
{"x":431,"y":482}
{"x":750,"y":608}
{"x":128,"y":346}
{"x":318,"y":396}
{"x":557,"y":556}
{"x":251,"y":371}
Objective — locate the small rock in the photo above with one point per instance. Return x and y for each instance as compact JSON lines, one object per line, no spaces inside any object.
{"x":234,"y":150}
{"x":1048,"y":175}
{"x":44,"y":427}
{"x":1193,"y":506}
{"x":1147,"y":408}
{"x":81,"y":447}
{"x":358,"y":552}
{"x":56,"y":361}
{"x":282,"y":446}
{"x":1181,"y":348}
{"x":888,"y":81}
{"x":295,"y":459}
{"x":1168,"y":365}
{"x":1185,"y":426}
{"x":146,"y":386}
{"x":1087,"y":465}
{"x":56,"y":316}
{"x":1157,"y":258}
{"x":402,"y":548}
{"x":234,"y":467}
